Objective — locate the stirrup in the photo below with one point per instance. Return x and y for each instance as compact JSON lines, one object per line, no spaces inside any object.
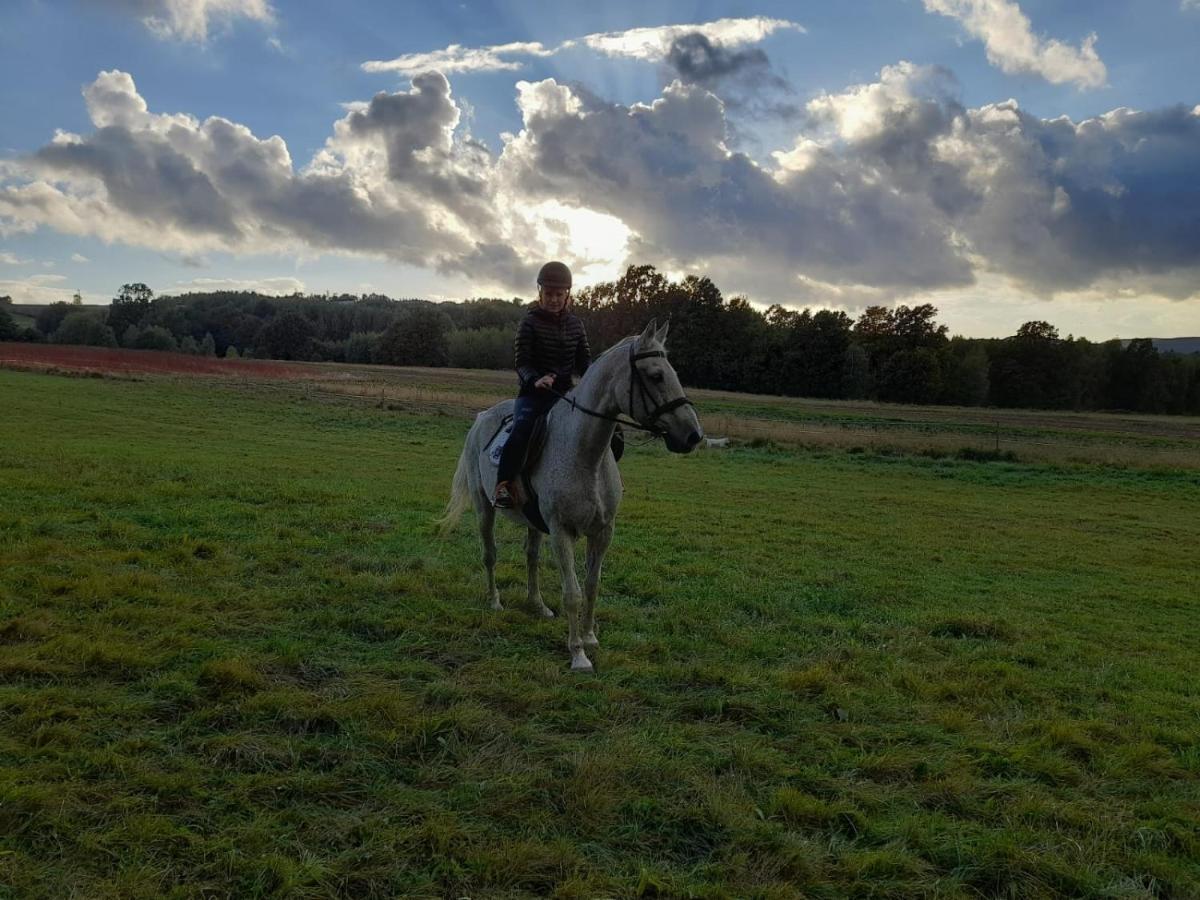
{"x":504,"y":497}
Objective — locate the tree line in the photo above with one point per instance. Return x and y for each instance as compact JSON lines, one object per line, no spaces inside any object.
{"x":368,"y":328}
{"x":895,"y":354}
{"x":899,"y":354}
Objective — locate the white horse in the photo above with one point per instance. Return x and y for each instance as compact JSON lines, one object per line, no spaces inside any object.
{"x":576,"y":481}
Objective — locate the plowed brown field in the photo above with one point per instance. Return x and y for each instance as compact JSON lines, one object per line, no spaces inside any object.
{"x":112,"y":361}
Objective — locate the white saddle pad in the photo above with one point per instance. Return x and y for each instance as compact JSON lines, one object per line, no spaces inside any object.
{"x":497,"y":447}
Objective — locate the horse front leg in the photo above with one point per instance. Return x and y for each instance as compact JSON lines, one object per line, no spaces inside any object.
{"x":564,"y":550}
{"x":533,"y":546}
{"x":597,"y":546}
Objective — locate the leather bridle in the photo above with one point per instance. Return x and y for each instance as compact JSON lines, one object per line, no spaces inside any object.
{"x":637,"y":382}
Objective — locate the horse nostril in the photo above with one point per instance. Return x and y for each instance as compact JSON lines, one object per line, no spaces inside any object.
{"x":693,"y":439}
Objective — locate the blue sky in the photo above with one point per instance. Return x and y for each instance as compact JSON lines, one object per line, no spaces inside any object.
{"x":830,"y":155}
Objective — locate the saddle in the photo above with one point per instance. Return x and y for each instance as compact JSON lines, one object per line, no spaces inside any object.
{"x":533,"y":449}
{"x":526,"y":497}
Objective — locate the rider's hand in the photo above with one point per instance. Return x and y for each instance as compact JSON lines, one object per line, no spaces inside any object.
{"x":546,"y":381}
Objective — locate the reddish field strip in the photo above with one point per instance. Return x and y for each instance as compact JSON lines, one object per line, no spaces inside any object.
{"x":151,"y":362}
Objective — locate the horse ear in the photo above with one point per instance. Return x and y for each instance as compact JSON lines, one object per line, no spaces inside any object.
{"x":649,"y":334}
{"x":661,"y":334}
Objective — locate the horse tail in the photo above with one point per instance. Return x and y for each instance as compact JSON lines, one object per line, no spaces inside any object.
{"x":459,"y":496}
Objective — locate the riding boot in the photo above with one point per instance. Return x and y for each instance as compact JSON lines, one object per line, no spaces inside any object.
{"x":505,"y":498}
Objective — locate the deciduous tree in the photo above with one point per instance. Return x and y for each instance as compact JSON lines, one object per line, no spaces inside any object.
{"x":131,"y":306}
{"x":85,"y":327}
{"x":49,"y":318}
{"x":288,"y":336}
{"x":418,"y":337}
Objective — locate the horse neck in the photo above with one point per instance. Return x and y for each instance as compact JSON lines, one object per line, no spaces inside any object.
{"x":587,"y":437}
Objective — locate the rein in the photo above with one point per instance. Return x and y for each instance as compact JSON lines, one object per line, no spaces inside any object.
{"x":635,"y":380}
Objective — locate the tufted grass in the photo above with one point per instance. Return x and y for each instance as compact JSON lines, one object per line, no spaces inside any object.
{"x":235,"y":661}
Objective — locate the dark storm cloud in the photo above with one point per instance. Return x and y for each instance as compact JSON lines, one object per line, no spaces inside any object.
{"x":697,"y":60}
{"x":742,"y":78}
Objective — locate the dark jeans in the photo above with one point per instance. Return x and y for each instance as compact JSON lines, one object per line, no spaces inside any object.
{"x":528,"y":408}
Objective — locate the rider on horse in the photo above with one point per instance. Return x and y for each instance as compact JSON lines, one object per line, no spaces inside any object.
{"x":551,"y":344}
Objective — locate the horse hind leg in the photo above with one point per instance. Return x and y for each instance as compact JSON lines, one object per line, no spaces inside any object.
{"x":486,"y":517}
{"x":533,"y":547}
{"x":597,"y":546}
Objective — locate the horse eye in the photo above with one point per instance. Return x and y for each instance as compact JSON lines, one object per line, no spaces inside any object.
{"x":657,"y":376}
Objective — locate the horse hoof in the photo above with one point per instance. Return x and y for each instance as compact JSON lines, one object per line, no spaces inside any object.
{"x":547,"y":612}
{"x":581,"y":664}
{"x":591,"y":642}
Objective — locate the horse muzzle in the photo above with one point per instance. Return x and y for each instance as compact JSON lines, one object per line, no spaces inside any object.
{"x":685,"y":446}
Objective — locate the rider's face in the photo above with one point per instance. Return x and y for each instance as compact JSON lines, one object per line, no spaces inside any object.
{"x":553,"y":299}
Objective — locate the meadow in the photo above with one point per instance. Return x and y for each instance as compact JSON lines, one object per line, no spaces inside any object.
{"x":841,"y":658}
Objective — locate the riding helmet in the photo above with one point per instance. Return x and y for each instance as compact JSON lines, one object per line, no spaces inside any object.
{"x":554,"y":274}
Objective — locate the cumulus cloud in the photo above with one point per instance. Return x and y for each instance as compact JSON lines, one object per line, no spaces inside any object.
{"x":190,"y":20}
{"x":866,"y":112}
{"x":891,"y":189}
{"x":396,"y":179}
{"x":665,"y":170}
{"x":11,"y":259}
{"x":1063,"y":205}
{"x":1011,"y":44}
{"x":650,"y":44}
{"x":392,"y":181}
{"x":893,"y":186}
{"x":1052,"y":203}
{"x":79,"y":258}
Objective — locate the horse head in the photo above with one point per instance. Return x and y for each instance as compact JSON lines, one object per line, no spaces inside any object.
{"x":655,"y":397}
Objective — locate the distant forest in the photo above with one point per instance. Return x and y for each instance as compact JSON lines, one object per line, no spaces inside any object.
{"x":899,"y":354}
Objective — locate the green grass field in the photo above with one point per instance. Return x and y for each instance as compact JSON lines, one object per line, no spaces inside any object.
{"x":235,"y":661}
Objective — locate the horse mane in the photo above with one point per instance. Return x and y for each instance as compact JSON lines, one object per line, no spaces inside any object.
{"x":623,"y":342}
